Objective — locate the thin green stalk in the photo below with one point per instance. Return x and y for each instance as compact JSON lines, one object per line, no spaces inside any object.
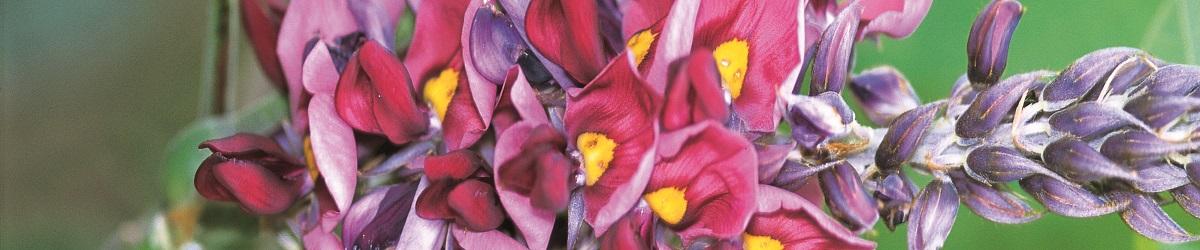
{"x":216,"y":44}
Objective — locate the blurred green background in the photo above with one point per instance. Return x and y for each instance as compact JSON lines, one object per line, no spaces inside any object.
{"x":93,"y":91}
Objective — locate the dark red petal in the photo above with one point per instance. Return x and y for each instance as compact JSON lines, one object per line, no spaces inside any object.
{"x":435,"y":38}
{"x":207,"y":184}
{"x":694,"y":93}
{"x":633,"y":231}
{"x":257,"y":189}
{"x":263,"y":33}
{"x":354,"y":101}
{"x":568,"y":34}
{"x":462,"y":126}
{"x":456,"y":165}
{"x":431,"y":204}
{"x":399,"y":117}
{"x":550,"y":191}
{"x":519,"y":180}
{"x":245,"y":145}
{"x":476,"y":205}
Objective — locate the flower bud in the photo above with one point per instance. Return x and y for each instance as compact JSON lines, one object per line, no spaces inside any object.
{"x":996,"y":164}
{"x":1174,"y":80}
{"x":847,"y":200}
{"x":1159,"y":111}
{"x":883,"y":93}
{"x":494,"y":43}
{"x":1083,"y":75}
{"x":1148,"y":219}
{"x":1159,"y":178}
{"x":992,"y":105}
{"x":813,"y":120}
{"x":993,"y":202}
{"x":987,"y":45}
{"x":1091,"y":120}
{"x":831,"y":62}
{"x":1136,"y":146}
{"x":1077,"y":161}
{"x":1067,"y":199}
{"x":895,"y":193}
{"x":1188,"y":197}
{"x":933,"y":215}
{"x":904,"y":135}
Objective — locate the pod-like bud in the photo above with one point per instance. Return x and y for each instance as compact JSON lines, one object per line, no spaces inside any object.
{"x":883,"y":93}
{"x":1067,"y":199}
{"x":1174,"y":80}
{"x":1077,"y":161}
{"x":1090,"y":120}
{"x":813,"y":120}
{"x":1136,"y":146}
{"x":831,"y":62}
{"x":987,"y":45}
{"x":996,"y":164}
{"x":847,"y":200}
{"x":895,"y":193}
{"x":993,"y":202}
{"x":1159,"y":178}
{"x":495,"y":43}
{"x":932,"y":215}
{"x":1148,"y":219}
{"x":904,"y":135}
{"x":992,"y":105}
{"x":1188,"y":197}
{"x":1159,"y":111}
{"x":1083,"y":75}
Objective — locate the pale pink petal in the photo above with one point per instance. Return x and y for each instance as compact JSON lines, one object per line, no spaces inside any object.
{"x":334,"y":149}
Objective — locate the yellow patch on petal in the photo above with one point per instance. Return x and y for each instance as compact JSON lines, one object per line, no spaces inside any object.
{"x":597,"y":150}
{"x":310,"y":159}
{"x":754,"y":242}
{"x":640,"y":43}
{"x":440,"y":89}
{"x":668,"y":203}
{"x":732,"y":58}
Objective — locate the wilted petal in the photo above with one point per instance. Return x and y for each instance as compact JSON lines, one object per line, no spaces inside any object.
{"x":993,"y":202}
{"x":904,"y":135}
{"x":1188,"y":197}
{"x":895,"y":193}
{"x":634,"y":231}
{"x":831,"y":63}
{"x":1083,"y":75}
{"x":1160,"y":111}
{"x":932,"y":215}
{"x":611,"y":123}
{"x":334,"y":150}
{"x":846,"y":198}
{"x":997,"y":164}
{"x":1159,"y":178}
{"x":1174,"y":80}
{"x":1076,"y":160}
{"x":376,"y":220}
{"x":1090,"y":120}
{"x":704,"y":183}
{"x":1067,"y":199}
{"x":792,"y":222}
{"x":884,"y":93}
{"x":568,"y":33}
{"x":374,"y":96}
{"x":1137,"y":146}
{"x":992,"y":105}
{"x":694,"y":93}
{"x":1147,"y":219}
{"x":987,"y":45}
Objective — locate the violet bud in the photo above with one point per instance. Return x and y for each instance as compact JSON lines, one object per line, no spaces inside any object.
{"x":1137,"y":146}
{"x":1077,"y":161}
{"x":1188,"y":197}
{"x":831,"y":62}
{"x":961,"y":97}
{"x":883,"y":93}
{"x":1148,"y":219}
{"x":993,"y":202}
{"x":987,"y":44}
{"x":1090,"y":120}
{"x":838,"y":103}
{"x":933,"y":215}
{"x":495,"y":42}
{"x":1083,"y":75}
{"x":996,"y":164}
{"x":1069,"y":200}
{"x":1159,"y":178}
{"x":1124,"y":77}
{"x":1194,"y":172}
{"x":793,"y":175}
{"x":375,"y":220}
{"x":992,"y":105}
{"x":846,"y":198}
{"x":904,"y":135}
{"x":895,"y":193}
{"x":1159,"y":111}
{"x":813,"y":120}
{"x":1174,"y":80}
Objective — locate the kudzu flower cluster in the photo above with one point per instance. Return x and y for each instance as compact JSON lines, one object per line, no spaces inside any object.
{"x":536,"y":124}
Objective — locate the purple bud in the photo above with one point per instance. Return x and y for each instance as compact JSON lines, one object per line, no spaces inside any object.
{"x":932,"y":215}
{"x":772,"y":152}
{"x":883,"y":93}
{"x":1084,"y":74}
{"x":1077,"y":161}
{"x":1194,"y":172}
{"x":831,"y":62}
{"x":794,"y":175}
{"x":1174,"y":80}
{"x":495,"y":42}
{"x":987,"y":45}
{"x":1090,"y":120}
{"x":904,"y":135}
{"x":1159,"y":111}
{"x":961,"y":96}
{"x":376,"y":220}
{"x":1136,"y":146}
{"x":1067,"y":199}
{"x":895,"y":193}
{"x":813,"y":120}
{"x":1125,"y":76}
{"x":1159,"y":178}
{"x":992,"y":105}
{"x":846,"y":198}
{"x":1148,"y":219}
{"x":838,"y":103}
{"x":996,"y":164}
{"x":1188,"y":197}
{"x":993,"y":202}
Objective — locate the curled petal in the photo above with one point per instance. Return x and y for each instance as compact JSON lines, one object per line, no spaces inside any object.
{"x":795,"y":223}
{"x":894,"y":18}
{"x":1077,"y":161}
{"x":256,"y":189}
{"x":252,"y":147}
{"x":997,"y":164}
{"x":884,"y":93}
{"x":463,"y":125}
{"x":987,"y":45}
{"x":694,"y":93}
{"x":1090,"y":120}
{"x":455,"y":165}
{"x":993,"y":202}
{"x":994,"y":104}
{"x":846,"y":198}
{"x":1174,"y":80}
{"x":1083,"y":75}
{"x":1159,"y":111}
{"x":831,"y":63}
{"x":1067,"y":199}
{"x":376,"y":220}
{"x":903,"y":136}
{"x":1147,"y":219}
{"x":531,"y":178}
{"x":932,"y":215}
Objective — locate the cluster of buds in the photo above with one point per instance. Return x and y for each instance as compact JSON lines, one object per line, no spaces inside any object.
{"x":535,"y":124}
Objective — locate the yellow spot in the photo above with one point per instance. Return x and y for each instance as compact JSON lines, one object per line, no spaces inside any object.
{"x":309,"y":159}
{"x":732,"y":58}
{"x":640,"y":43}
{"x":754,"y":242}
{"x":668,"y":203}
{"x":597,"y":150}
{"x":440,"y":89}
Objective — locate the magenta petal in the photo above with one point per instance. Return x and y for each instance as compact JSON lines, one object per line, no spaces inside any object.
{"x":456,"y":165}
{"x":334,"y":149}
{"x":633,"y":231}
{"x":421,"y":233}
{"x":694,"y":94}
{"x":207,"y":185}
{"x":535,"y":223}
{"x":257,"y":189}
{"x":475,"y":203}
{"x":318,"y":239}
{"x":431,"y":203}
{"x":435,"y":38}
{"x":641,"y":14}
{"x":304,"y":21}
{"x":894,"y":18}
{"x":485,"y":240}
{"x":463,"y":125}
{"x":674,"y":42}
{"x":568,"y":33}
{"x":799,"y":224}
{"x":717,"y":168}
{"x":374,"y":96}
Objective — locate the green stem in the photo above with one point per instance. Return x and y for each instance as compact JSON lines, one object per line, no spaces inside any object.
{"x":216,"y":46}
